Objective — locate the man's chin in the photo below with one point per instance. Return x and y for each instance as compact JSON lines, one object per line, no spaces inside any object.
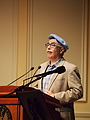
{"x":49,"y":56}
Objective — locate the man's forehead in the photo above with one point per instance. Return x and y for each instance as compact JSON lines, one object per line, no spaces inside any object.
{"x":52,"y":41}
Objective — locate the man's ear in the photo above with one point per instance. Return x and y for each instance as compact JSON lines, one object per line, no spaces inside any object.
{"x":62,"y":50}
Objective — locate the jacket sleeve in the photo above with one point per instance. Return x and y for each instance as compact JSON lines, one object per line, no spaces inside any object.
{"x":74,"y":91}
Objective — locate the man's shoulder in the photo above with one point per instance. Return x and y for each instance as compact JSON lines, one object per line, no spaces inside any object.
{"x":45,"y":63}
{"x":69,"y":66}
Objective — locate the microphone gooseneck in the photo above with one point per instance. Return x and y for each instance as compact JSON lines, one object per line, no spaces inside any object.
{"x":35,"y":72}
{"x":32,"y":68}
{"x":31,"y":78}
{"x":59,"y":70}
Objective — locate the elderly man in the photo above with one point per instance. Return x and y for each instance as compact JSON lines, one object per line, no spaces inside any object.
{"x":66,"y":87}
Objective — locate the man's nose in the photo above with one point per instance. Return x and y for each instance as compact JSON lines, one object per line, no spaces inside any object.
{"x":49,"y":46}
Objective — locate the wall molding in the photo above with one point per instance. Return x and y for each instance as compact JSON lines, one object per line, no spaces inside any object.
{"x":30,"y":32}
{"x":8,"y":40}
{"x":84,"y":49}
{"x":82,"y":115}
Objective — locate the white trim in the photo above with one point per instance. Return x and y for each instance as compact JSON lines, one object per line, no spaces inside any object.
{"x":29,"y":36}
{"x":84,"y":49}
{"x":82,"y":115}
{"x":14,"y":39}
{"x":30,"y":31}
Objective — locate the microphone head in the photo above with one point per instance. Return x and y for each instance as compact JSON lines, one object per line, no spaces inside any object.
{"x":39,"y":67}
{"x":60,"y":69}
{"x":32,"y":68}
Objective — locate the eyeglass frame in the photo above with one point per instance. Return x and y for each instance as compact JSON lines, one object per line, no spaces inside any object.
{"x":52,"y":45}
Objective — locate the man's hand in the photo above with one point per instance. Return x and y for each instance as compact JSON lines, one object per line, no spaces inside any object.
{"x":49,"y":93}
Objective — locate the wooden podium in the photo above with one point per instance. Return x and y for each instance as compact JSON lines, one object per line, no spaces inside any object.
{"x":12,"y":103}
{"x":29,"y":104}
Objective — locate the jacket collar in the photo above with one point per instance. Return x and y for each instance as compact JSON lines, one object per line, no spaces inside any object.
{"x":54,"y":76}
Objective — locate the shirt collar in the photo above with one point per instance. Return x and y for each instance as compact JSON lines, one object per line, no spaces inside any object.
{"x":56,"y":64}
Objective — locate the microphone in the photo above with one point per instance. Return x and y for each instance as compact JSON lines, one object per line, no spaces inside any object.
{"x":58,"y":70}
{"x":23,"y":86}
{"x":22,"y":75}
{"x":33,"y":74}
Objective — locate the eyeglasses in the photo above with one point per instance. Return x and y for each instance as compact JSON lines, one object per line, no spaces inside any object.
{"x":52,"y":45}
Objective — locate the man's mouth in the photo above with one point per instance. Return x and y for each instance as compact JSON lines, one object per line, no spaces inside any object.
{"x":49,"y":51}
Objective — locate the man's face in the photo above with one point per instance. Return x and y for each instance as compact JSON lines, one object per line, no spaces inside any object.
{"x":53,"y":49}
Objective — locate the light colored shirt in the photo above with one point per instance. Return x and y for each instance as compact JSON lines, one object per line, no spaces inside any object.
{"x":47,"y":80}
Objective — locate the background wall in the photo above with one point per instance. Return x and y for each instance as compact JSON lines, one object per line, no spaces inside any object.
{"x":8,"y":41}
{"x":24,"y":28}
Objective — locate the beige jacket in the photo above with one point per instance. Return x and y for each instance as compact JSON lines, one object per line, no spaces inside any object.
{"x":66,"y":87}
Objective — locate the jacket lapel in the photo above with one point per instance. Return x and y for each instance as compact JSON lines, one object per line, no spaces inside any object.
{"x":54,"y":76}
{"x":43,"y":69}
